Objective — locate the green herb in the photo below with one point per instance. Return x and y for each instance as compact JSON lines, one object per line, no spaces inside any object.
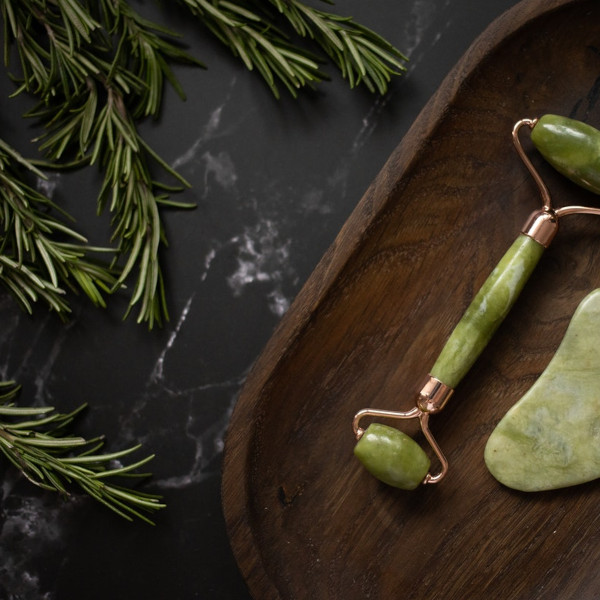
{"x":260,"y":37}
{"x":40,"y":255}
{"x":34,"y":440}
{"x":98,"y":68}
{"x":101,"y":68}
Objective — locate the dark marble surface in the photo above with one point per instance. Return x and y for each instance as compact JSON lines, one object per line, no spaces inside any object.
{"x":273,"y":181}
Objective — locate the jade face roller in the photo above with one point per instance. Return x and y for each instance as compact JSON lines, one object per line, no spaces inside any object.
{"x":573,"y":148}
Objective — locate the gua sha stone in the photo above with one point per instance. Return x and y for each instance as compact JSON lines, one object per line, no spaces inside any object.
{"x":550,"y":438}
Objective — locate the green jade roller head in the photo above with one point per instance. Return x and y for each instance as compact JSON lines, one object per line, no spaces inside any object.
{"x":573,"y":149}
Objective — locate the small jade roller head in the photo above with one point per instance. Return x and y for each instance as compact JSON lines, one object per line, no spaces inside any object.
{"x":391,"y":455}
{"x":571,"y":147}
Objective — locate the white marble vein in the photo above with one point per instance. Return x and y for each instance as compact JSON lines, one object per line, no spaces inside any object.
{"x":11,"y":318}
{"x":213,"y":129}
{"x":210,"y":256}
{"x":157,"y":373}
{"x":22,"y":530}
{"x":44,"y":372}
{"x":263,"y":256}
{"x":196,"y":441}
{"x":314,"y":200}
{"x":219,"y":167}
{"x":209,"y":131}
{"x":208,"y":445}
{"x":30,"y":354}
{"x":369,"y":123}
{"x":48,"y":185}
{"x":423,"y":15}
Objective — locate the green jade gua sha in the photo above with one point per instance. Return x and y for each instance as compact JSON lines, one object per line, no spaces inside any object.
{"x":573,"y":148}
{"x":551,"y":437}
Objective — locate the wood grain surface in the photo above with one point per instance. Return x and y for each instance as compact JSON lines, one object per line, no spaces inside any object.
{"x":306,"y":521}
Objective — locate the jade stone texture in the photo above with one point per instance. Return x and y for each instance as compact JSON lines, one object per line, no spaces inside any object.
{"x":487,"y":310}
{"x":551,"y":437}
{"x":571,"y":147}
{"x":392,"y":456}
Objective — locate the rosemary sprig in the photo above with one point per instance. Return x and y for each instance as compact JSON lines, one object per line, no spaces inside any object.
{"x":261,"y":41}
{"x":40,"y":255}
{"x":98,"y":68}
{"x":101,"y":69}
{"x":361,"y":55}
{"x":33,"y":439}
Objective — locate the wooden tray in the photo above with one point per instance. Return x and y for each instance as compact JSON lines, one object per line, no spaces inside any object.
{"x":306,"y":521}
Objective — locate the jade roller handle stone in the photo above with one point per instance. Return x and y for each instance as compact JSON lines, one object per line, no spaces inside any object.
{"x":487,"y":310}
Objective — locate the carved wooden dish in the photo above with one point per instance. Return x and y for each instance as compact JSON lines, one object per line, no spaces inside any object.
{"x":305,"y":519}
